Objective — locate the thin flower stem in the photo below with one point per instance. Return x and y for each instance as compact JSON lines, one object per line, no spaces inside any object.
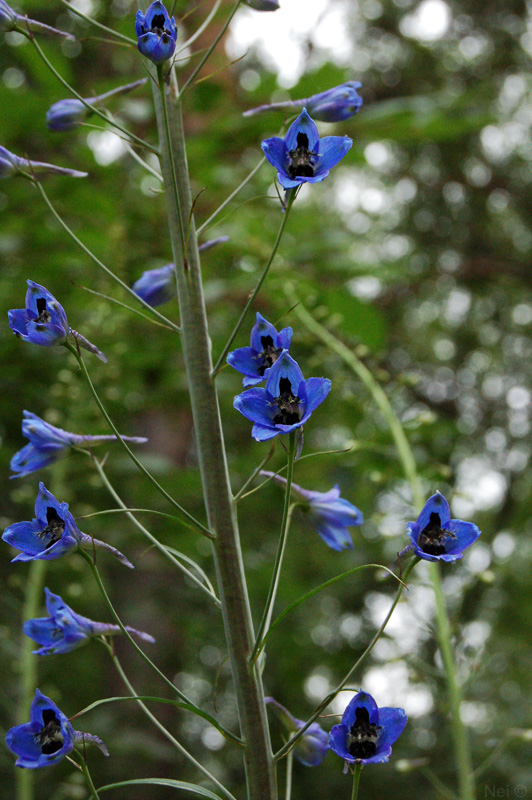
{"x":256,"y":290}
{"x":289,"y":766}
{"x":204,"y":25}
{"x":133,"y":153}
{"x":255,"y":472}
{"x":128,"y":308}
{"x":163,"y":730}
{"x":233,"y":194}
{"x":109,"y":120}
{"x":126,"y":633}
{"x":357,"y":772}
{"x":88,"y":778}
{"x":28,"y":666}
{"x":97,"y":24}
{"x":150,"y":537}
{"x":285,"y":524}
{"x":360,"y":660}
{"x":97,"y":261}
{"x":194,"y":522}
{"x":210,"y":50}
{"x":462,"y":750}
{"x":440,"y":787}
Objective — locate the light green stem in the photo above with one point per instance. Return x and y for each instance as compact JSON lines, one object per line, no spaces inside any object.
{"x":221,"y":512}
{"x":227,"y":200}
{"x":462,"y":750}
{"x":29,"y":671}
{"x":285,"y":524}
{"x":357,"y":772}
{"x":88,"y":778}
{"x":289,"y":770}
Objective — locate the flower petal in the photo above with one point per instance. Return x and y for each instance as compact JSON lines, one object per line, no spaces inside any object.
{"x":276,"y":152}
{"x":437,"y":504}
{"x":332,"y":150}
{"x":284,"y":368}
{"x":317,"y":390}
{"x":255,"y":405}
{"x":305,"y":125}
{"x":393,"y":722}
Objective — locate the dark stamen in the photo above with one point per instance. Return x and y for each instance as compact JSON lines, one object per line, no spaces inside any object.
{"x":54,"y":529}
{"x":44,"y":314}
{"x":288,"y":404}
{"x":50,"y":738}
{"x":158,"y":22}
{"x":363,"y":736}
{"x":302,"y":140}
{"x":269,"y":354}
{"x":301,"y":158}
{"x":431,"y":538}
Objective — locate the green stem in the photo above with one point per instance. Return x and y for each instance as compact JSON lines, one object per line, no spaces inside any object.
{"x":357,"y":772}
{"x":462,"y":750}
{"x":88,"y":778}
{"x":233,"y":194}
{"x":194,"y":522}
{"x":289,"y":770}
{"x":460,"y":740}
{"x":93,"y":109}
{"x":255,"y":472}
{"x":28,"y":669}
{"x":221,"y":511}
{"x":163,"y":730}
{"x":291,"y":195}
{"x":285,"y":524}
{"x":97,"y":24}
{"x":97,"y":261}
{"x":150,"y":537}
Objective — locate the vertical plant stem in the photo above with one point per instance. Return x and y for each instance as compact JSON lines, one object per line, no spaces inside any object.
{"x":88,"y":779}
{"x":289,"y":766}
{"x":29,"y":670}
{"x":221,"y":512}
{"x":357,"y":772}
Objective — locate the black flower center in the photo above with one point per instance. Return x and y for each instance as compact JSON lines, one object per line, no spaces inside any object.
{"x":157,"y":26}
{"x":288,"y":405}
{"x":54,"y":529}
{"x":269,"y":354}
{"x":44,"y":314}
{"x":49,"y":738}
{"x":362,"y":738}
{"x":431,"y":539}
{"x":301,"y":159}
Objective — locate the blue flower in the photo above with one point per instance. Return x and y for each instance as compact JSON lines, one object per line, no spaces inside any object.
{"x":333,"y":105}
{"x":66,"y":115}
{"x":328,"y":513}
{"x":302,"y":157}
{"x":10,"y":21}
{"x":11,"y":165}
{"x":287,"y":401}
{"x":48,"y":443}
{"x":263,"y":5}
{"x":52,"y":534}
{"x":367,"y":732}
{"x":47,"y":738}
{"x":64,"y":630}
{"x":436,"y":537}
{"x":312,"y":746}
{"x":266,"y":345}
{"x":156,"y":33}
{"x":156,"y":286}
{"x":43,"y":321}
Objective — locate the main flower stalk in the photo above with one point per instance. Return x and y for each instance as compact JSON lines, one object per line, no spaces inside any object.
{"x":209,"y":439}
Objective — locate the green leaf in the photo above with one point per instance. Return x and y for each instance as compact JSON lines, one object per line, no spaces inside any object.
{"x":187,"y":787}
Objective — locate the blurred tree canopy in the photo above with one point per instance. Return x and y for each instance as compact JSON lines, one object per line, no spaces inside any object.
{"x":415,"y":252}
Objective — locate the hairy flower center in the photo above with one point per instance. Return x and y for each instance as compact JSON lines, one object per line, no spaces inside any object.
{"x":431,"y":539}
{"x":301,"y":159}
{"x":157,"y":26}
{"x":44,"y":314}
{"x":362,"y":738}
{"x":49,"y":738}
{"x":269,"y":354}
{"x":288,"y":405}
{"x":54,"y":529}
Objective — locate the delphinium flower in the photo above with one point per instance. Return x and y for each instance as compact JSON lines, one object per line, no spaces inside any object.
{"x":44,"y":321}
{"x":48,"y":737}
{"x":333,"y":105}
{"x":287,"y":401}
{"x":328,"y":513}
{"x":266,"y":345}
{"x":66,"y":115}
{"x":52,"y":534}
{"x":367,"y":732}
{"x":158,"y":286}
{"x":156,"y":33}
{"x":435,"y":536}
{"x":48,"y":443}
{"x":11,"y":165}
{"x":10,"y":21}
{"x":312,"y":746}
{"x":302,"y":157}
{"x":64,"y":630}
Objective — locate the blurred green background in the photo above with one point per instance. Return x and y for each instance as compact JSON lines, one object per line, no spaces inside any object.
{"x":416,"y":252}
